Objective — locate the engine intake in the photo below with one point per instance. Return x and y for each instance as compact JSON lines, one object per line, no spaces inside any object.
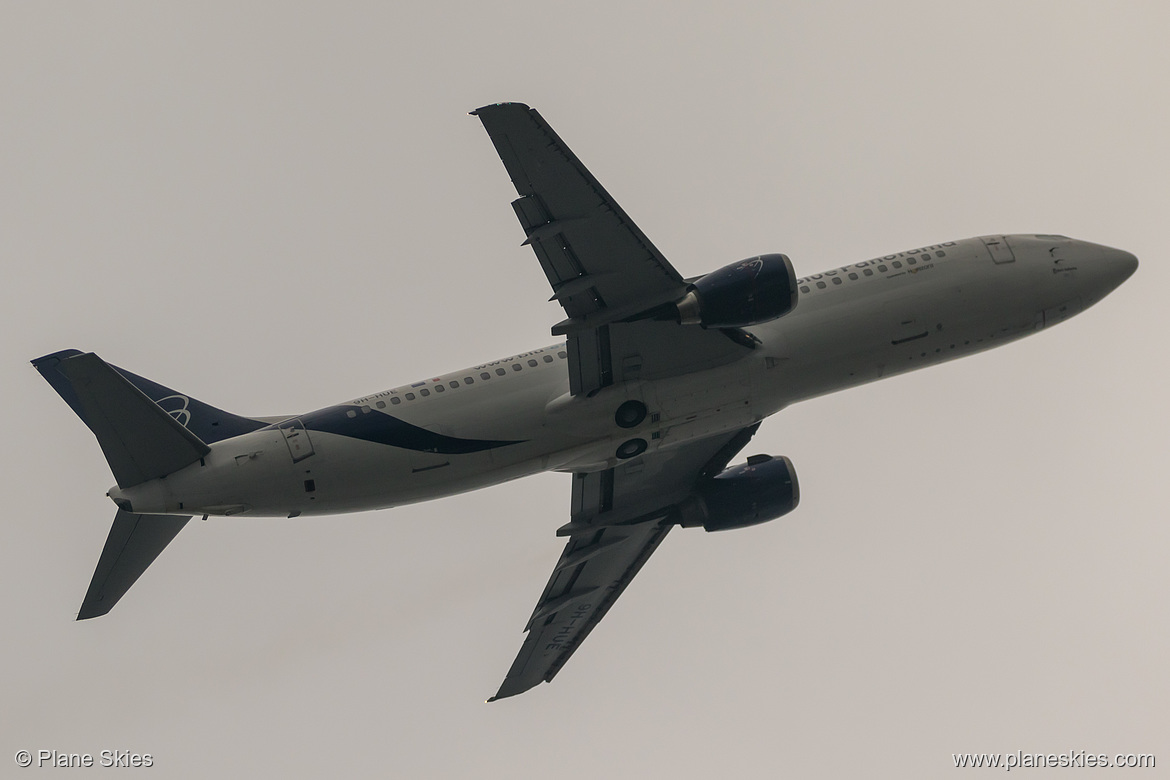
{"x":749,"y":292}
{"x":762,"y":489}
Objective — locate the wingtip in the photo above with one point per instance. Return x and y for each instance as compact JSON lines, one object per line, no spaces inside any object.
{"x":490,"y":106}
{"x":56,"y":356}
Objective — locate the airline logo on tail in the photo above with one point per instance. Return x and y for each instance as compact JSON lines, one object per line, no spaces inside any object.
{"x":177,"y":408}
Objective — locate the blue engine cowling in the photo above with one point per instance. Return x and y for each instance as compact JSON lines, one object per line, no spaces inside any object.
{"x":749,"y":292}
{"x":762,"y":489}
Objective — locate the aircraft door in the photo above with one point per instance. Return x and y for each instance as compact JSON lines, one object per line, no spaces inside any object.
{"x":997,"y":247}
{"x":297,"y":439}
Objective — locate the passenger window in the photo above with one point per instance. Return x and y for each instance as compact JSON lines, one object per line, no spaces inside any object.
{"x":896,"y":264}
{"x":836,"y":280}
{"x":853,"y":277}
{"x":351,"y":413}
{"x":485,"y":375}
{"x":562,"y":355}
{"x":410,"y":396}
{"x":911,"y":261}
{"x":939,"y":253}
{"x":868,"y":272}
{"x":804,"y":289}
{"x":365,"y":410}
{"x":925,"y":258}
{"x":548,"y":358}
{"x":500,"y":372}
{"x":821,"y":285}
{"x":453,"y":383}
{"x":882,"y":268}
{"x":516,"y":366}
{"x":532,"y":363}
{"x":468,"y":380}
{"x":381,"y":404}
{"x":424,"y":392}
{"x":395,"y":400}
{"x":440,"y":389}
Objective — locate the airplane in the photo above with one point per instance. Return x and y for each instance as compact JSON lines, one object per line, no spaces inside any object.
{"x":655,"y":386}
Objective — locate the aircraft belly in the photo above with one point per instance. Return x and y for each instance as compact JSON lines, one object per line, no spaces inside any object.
{"x":704,"y":404}
{"x":247,"y":474}
{"x":833,"y":344}
{"x":353,"y":475}
{"x":836,"y":346}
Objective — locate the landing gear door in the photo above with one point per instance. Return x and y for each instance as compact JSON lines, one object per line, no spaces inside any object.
{"x":297,"y":439}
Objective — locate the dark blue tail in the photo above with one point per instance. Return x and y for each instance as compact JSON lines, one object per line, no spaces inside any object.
{"x":203,"y":420}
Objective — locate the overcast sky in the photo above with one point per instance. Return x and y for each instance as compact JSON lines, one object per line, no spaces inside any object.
{"x":275,"y":207}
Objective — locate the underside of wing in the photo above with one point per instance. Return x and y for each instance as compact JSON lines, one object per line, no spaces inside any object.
{"x":610,"y":279}
{"x":619,"y":517}
{"x":595,"y":257}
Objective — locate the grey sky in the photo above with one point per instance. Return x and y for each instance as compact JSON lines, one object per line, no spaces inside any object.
{"x":275,"y":207}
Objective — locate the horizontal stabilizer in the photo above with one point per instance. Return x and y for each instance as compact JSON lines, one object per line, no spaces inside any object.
{"x":140,"y":440}
{"x":133,"y":544}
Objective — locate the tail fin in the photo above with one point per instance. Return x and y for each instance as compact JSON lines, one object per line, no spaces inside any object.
{"x":146,"y":431}
{"x":133,"y":544}
{"x":203,"y":420}
{"x":110,"y":401}
{"x":139,"y":439}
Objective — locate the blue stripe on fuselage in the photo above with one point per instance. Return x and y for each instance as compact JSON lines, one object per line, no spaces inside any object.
{"x":359,"y":422}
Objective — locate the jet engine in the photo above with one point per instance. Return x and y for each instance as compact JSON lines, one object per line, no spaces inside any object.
{"x":749,"y":292}
{"x":762,"y":489}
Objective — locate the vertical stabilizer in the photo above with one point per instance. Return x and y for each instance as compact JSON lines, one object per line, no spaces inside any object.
{"x":202,"y":419}
{"x":140,"y":440}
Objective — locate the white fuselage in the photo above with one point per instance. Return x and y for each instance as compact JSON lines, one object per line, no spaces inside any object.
{"x":852,"y":325}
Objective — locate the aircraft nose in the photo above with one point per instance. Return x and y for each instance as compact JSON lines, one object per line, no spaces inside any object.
{"x":1106,"y":269}
{"x":1121,"y":266}
{"x":1115,"y":267}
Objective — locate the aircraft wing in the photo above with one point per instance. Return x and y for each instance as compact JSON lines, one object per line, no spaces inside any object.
{"x":619,"y":517}
{"x":602,"y":268}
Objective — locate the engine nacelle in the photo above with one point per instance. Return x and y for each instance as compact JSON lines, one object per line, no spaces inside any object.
{"x":749,"y":292}
{"x":762,"y":489}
